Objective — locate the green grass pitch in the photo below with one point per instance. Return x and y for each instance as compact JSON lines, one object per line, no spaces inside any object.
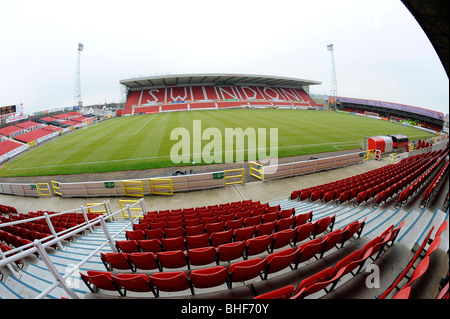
{"x":143,"y":141}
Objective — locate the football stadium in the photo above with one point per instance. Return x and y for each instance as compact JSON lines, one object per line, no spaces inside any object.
{"x":214,"y":186}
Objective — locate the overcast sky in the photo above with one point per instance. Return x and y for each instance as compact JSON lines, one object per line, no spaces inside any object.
{"x":381,"y":52}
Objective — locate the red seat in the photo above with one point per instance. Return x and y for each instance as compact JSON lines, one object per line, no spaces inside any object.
{"x":333,"y":239}
{"x":194,"y":230}
{"x":231,"y":251}
{"x":174,"y":223}
{"x":154,"y":233}
{"x":265,"y":229}
{"x":403,"y":293}
{"x":280,"y":260}
{"x":192,"y":221}
{"x":323,"y":224}
{"x":116,"y":261}
{"x":354,"y":228}
{"x":353,"y":261}
{"x":303,"y":232}
{"x":285,"y":223}
{"x":215,"y":227}
{"x":225,"y":218}
{"x":96,"y":280}
{"x":174,"y":232}
{"x":133,"y":282}
{"x":257,"y":245}
{"x":271,"y":209}
{"x":144,"y":261}
{"x":329,"y":196}
{"x":258,"y":211}
{"x":202,"y":256}
{"x":234,"y":224}
{"x":242,"y":234}
{"x":176,"y":243}
{"x":197,"y":241}
{"x":150,"y":245}
{"x":308,"y":250}
{"x":253,"y":220}
{"x":421,"y":268}
{"x":282,"y":238}
{"x":209,"y":277}
{"x":286,"y":213}
{"x":170,"y":281}
{"x":172,"y":259}
{"x":221,"y":237}
{"x":270,"y":217}
{"x":303,"y":218}
{"x":282,"y":293}
{"x":127,"y":246}
{"x":317,"y":282}
{"x":134,"y":234}
{"x":157,"y":225}
{"x":246,"y":270}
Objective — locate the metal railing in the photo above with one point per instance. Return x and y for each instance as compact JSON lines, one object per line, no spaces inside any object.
{"x":39,"y":245}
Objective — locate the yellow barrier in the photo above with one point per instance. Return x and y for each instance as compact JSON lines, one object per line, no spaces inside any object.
{"x":130,"y":188}
{"x":259,"y":169}
{"x":103,"y":211}
{"x":56,"y":188}
{"x":240,"y":176}
{"x":166,"y":186}
{"x":127,"y":201}
{"x":392,"y":158}
{"x":372,"y":154}
{"x":43,"y":189}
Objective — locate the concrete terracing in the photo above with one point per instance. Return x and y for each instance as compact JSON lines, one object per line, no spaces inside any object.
{"x":274,"y":192}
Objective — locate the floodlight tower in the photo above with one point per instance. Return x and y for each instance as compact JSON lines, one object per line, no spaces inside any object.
{"x":333,"y":90}
{"x":77,"y":98}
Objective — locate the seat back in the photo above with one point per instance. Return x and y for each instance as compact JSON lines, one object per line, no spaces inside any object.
{"x":197,"y":241}
{"x":209,"y":277}
{"x":231,"y":251}
{"x":281,"y":293}
{"x":172,"y":259}
{"x":221,"y":237}
{"x":144,"y":261}
{"x":170,"y":281}
{"x":202,"y":256}
{"x":257,"y":245}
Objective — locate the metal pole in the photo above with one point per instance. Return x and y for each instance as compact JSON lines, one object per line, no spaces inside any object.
{"x":52,"y":230}
{"x":46,"y":258}
{"x":107,"y":234}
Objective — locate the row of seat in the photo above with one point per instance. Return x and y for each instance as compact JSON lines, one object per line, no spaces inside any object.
{"x":4,"y":209}
{"x":275,"y":221}
{"x":432,"y":188}
{"x":226,"y":252}
{"x":220,"y":237}
{"x":427,"y":247}
{"x":328,"y":278}
{"x":423,"y":180}
{"x":217,"y":275}
{"x":357,"y":180}
{"x":207,"y":216}
{"x":383,"y":187}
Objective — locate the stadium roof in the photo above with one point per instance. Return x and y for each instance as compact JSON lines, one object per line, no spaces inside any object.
{"x":216,"y":79}
{"x":432,"y":16}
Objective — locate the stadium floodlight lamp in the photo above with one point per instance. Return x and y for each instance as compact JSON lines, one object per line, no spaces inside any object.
{"x":330,"y":47}
{"x":80,"y":46}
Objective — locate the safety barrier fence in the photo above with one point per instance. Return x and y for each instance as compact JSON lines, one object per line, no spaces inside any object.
{"x":39,"y":245}
{"x":167,"y":186}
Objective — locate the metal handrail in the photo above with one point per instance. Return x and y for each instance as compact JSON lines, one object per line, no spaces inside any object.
{"x":39,"y":247}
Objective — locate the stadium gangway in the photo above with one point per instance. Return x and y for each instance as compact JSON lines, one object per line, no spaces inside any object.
{"x":39,"y":247}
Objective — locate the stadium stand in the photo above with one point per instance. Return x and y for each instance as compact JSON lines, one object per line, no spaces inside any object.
{"x":32,"y":135}
{"x":8,"y":146}
{"x":213,"y":97}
